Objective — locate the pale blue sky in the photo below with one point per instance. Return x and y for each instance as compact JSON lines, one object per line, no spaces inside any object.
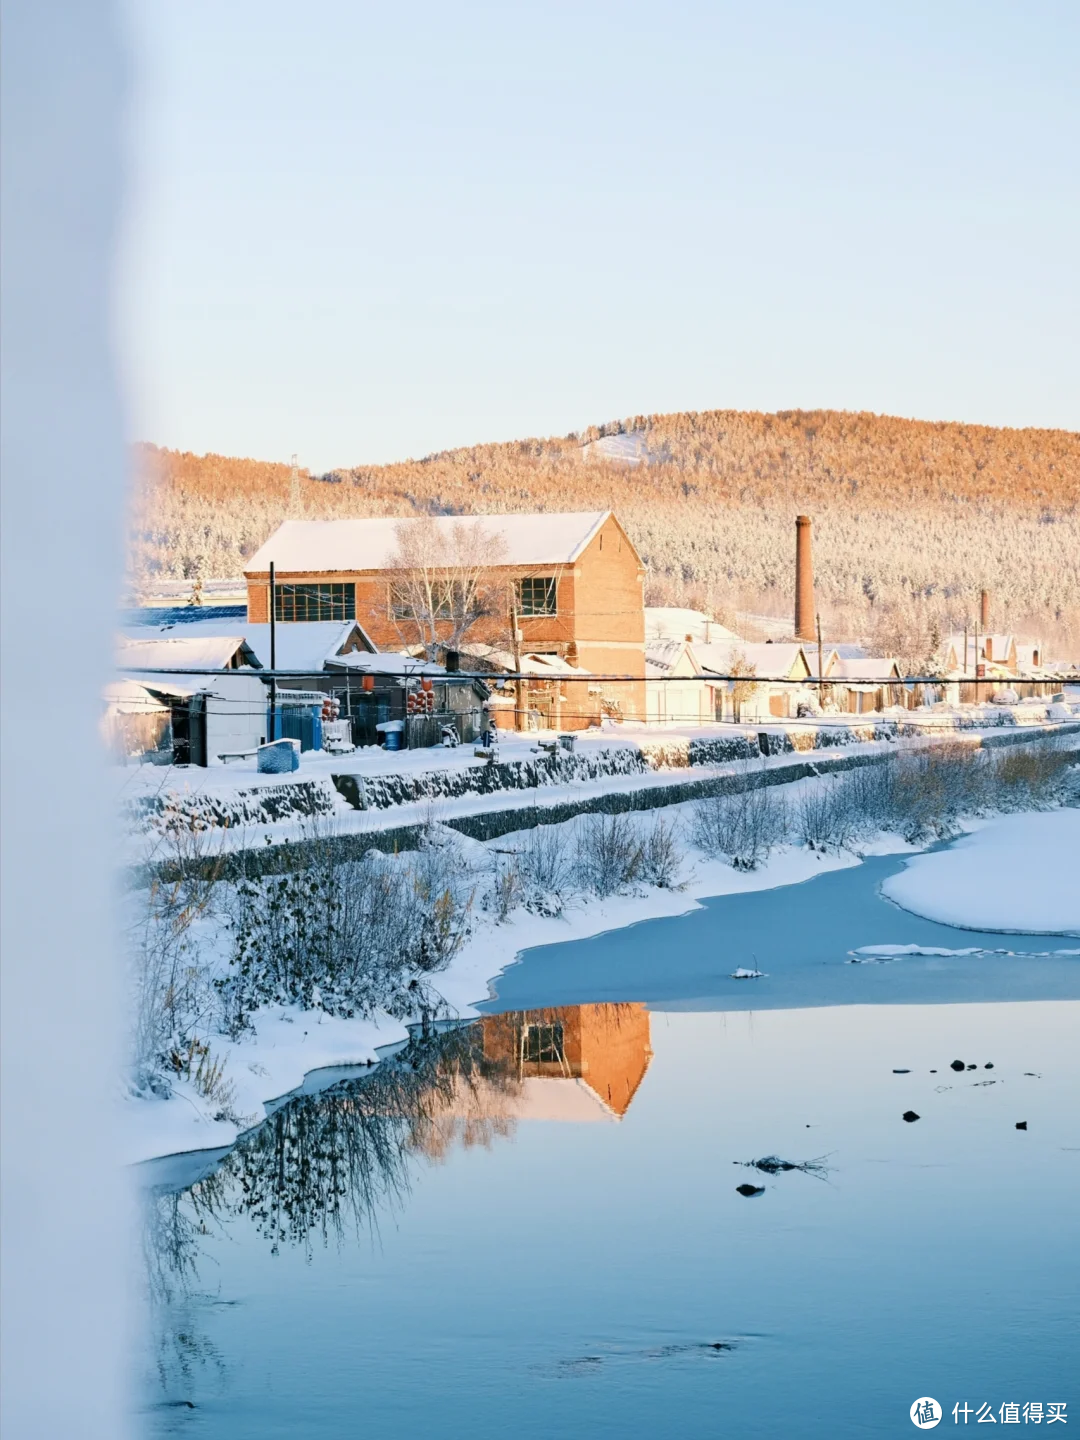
{"x":361,"y":232}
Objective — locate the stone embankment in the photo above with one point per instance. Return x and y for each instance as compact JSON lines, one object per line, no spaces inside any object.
{"x":345,"y":798}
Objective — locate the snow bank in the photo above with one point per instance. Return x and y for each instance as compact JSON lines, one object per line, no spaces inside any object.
{"x":1018,"y":873}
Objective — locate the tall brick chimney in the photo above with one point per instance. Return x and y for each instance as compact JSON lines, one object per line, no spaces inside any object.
{"x":804,"y":580}
{"x":984,"y":611}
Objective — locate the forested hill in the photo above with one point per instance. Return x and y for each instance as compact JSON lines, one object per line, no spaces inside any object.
{"x":908,"y":514}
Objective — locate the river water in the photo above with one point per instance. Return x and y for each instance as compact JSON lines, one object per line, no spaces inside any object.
{"x":531,"y":1225}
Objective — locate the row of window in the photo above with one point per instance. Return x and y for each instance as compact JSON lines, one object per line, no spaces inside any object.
{"x":536,"y":595}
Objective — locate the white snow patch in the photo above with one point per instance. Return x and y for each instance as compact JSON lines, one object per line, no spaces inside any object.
{"x":1018,"y":874}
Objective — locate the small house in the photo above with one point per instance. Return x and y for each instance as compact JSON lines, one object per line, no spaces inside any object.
{"x":863,"y":684}
{"x":764,"y":680}
{"x":676,"y":693}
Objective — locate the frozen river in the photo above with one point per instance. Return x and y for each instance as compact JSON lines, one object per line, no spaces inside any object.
{"x":533,"y":1227}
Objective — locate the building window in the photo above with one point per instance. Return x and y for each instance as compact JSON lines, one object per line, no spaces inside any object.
{"x":415,"y":602}
{"x":542,"y":1044}
{"x":536,"y":595}
{"x":314,"y":602}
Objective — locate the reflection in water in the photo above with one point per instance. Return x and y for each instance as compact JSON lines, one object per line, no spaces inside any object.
{"x":324,"y":1163}
{"x":606,"y":1047}
{"x":341,"y":1156}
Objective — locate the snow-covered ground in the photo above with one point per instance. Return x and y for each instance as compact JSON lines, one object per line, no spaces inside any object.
{"x":1016,"y":873}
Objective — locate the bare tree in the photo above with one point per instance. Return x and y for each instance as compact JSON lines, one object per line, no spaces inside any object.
{"x":746,"y":685}
{"x":446,"y":580}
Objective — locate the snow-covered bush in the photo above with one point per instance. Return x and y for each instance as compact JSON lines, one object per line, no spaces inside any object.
{"x":744,"y":827}
{"x":173,"y":1003}
{"x":608,"y":853}
{"x":661,"y":855}
{"x":347,"y":937}
{"x":547,"y":870}
{"x":825,"y":816}
{"x":1028,"y":777}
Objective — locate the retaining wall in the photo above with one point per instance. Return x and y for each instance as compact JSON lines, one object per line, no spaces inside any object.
{"x":491,"y":824}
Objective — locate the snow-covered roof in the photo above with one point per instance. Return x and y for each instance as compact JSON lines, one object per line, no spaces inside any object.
{"x":1000,"y":647}
{"x":128,"y":697}
{"x":770,"y":661}
{"x":301,"y":645}
{"x":864,"y":668}
{"x":532,"y":664}
{"x":669,"y":622}
{"x":334,"y":546}
{"x":178,"y":652}
{"x":387,"y":662}
{"x":664,"y":654}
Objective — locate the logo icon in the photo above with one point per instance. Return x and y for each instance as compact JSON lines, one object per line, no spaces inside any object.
{"x":925,"y":1413}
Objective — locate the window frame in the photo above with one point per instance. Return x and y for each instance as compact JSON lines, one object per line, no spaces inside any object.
{"x":551,"y":1043}
{"x":314,"y":601}
{"x":550,"y":592}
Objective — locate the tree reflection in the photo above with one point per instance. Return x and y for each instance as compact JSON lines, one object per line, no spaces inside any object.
{"x":327,"y":1162}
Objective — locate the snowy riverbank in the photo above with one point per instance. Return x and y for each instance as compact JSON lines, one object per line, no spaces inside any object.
{"x":289,"y":1045}
{"x":1029,"y":856}
{"x":1015,"y":873}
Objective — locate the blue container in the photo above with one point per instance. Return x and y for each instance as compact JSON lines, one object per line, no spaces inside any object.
{"x":393,"y":739}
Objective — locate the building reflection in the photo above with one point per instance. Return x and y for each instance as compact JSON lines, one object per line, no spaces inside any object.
{"x":603,"y":1050}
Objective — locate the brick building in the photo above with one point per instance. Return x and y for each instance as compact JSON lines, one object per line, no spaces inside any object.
{"x":575,"y":580}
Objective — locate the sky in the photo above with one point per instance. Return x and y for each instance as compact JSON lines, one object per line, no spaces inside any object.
{"x":362,"y":232}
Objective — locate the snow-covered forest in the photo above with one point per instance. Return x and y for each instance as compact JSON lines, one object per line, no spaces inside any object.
{"x":912,"y":518}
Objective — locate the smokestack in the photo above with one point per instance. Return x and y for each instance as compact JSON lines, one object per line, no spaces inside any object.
{"x":804,"y":580}
{"x":984,"y":610}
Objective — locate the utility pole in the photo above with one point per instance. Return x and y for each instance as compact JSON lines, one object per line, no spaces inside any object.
{"x":273,"y":656}
{"x":515,"y":643}
{"x":820,"y":662}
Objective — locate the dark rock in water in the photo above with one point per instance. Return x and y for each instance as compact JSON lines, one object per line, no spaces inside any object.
{"x":989,"y":1065}
{"x":933,"y":1072}
{"x":1021,"y":1124}
{"x":972,"y":1067}
{"x":957,"y":1065}
{"x":901,"y":1072}
{"x":909,"y":1116}
{"x":750,"y":1189}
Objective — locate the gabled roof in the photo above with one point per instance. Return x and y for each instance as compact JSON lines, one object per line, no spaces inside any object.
{"x":770,"y":662}
{"x":312,"y":547}
{"x":306,"y":644}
